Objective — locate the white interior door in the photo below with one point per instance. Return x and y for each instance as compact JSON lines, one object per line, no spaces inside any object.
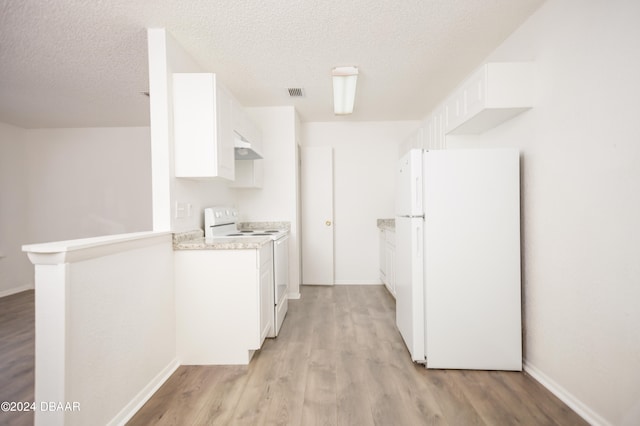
{"x":317,"y":215}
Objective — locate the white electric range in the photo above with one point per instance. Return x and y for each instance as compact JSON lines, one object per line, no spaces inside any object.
{"x":222,"y":222}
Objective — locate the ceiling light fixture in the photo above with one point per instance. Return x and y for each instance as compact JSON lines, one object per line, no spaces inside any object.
{"x":344,"y":89}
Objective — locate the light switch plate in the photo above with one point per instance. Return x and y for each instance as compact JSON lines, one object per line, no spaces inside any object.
{"x":182,"y":210}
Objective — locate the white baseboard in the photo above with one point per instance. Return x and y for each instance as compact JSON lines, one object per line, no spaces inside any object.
{"x":293,"y":296}
{"x":143,"y":396}
{"x":357,"y":282}
{"x":15,"y":290}
{"x":565,"y":396}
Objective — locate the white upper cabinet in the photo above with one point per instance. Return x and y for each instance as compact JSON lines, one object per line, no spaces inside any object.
{"x":433,"y":126}
{"x":490,"y":96}
{"x":437,"y":118}
{"x":454,"y":110}
{"x":203,"y":127}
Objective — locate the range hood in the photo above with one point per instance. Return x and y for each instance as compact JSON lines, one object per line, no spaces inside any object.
{"x":243,"y":150}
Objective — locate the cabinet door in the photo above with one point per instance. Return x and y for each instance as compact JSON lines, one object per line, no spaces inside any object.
{"x":225,"y":139}
{"x":390,"y":256}
{"x":266,"y":292}
{"x":203,"y":142}
{"x":438,"y":129}
{"x":428,"y":137}
{"x":454,"y":110}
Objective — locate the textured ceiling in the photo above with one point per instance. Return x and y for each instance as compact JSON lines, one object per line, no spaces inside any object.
{"x":79,"y":63}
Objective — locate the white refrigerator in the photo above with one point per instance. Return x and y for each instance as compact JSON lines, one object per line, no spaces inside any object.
{"x":458,"y":303}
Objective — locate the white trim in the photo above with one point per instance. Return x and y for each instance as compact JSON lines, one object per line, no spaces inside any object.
{"x":88,"y":248}
{"x":144,"y":395}
{"x":15,"y":290}
{"x":357,"y":282}
{"x":293,"y":296}
{"x":565,"y":396}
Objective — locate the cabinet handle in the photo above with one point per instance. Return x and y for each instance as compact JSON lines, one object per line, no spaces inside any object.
{"x":328,"y":223}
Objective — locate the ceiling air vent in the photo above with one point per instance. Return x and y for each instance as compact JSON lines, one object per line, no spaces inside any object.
{"x":296,"y":92}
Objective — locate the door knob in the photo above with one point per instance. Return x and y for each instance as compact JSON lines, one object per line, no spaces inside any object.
{"x":328,"y":223}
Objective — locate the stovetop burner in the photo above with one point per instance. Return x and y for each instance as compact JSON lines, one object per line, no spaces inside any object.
{"x":221,"y":222}
{"x":249,"y":234}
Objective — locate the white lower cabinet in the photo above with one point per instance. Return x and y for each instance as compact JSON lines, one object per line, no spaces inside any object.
{"x":388,"y":259}
{"x":224,"y":304}
{"x":266,"y":294}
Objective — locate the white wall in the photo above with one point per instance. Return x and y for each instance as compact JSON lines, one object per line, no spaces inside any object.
{"x":278,"y":199}
{"x":581,"y":202}
{"x":122,"y":328}
{"x":166,"y":57}
{"x":87,"y":182}
{"x":365,"y":156}
{"x":60,"y":184}
{"x":16,"y":272}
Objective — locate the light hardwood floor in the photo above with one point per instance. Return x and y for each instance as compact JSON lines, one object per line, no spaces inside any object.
{"x":339,"y":360}
{"x":17,"y":331}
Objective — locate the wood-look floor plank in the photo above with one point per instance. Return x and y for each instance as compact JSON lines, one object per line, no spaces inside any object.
{"x":251,"y":408}
{"x":387,"y":403}
{"x":352,"y":389}
{"x":486,"y":401}
{"x":525,"y":414}
{"x":320,"y":399}
{"x":178,"y":398}
{"x":219,"y":401}
{"x":454,"y":402}
{"x":285,"y":406}
{"x":416,"y":390}
{"x":17,"y":350}
{"x":539,"y":401}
